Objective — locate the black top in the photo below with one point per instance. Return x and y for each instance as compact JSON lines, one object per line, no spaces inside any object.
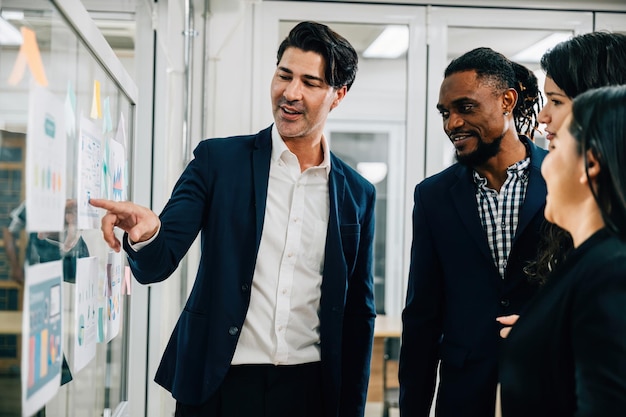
{"x":566,"y":355}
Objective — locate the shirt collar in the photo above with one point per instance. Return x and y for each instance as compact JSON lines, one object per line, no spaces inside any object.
{"x":520,"y":168}
{"x":279,"y":147}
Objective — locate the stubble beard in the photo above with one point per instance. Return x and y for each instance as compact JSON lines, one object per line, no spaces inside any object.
{"x":484,"y":151}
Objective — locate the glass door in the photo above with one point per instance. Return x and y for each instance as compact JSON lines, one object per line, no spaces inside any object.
{"x":376,"y":150}
{"x":614,"y":22}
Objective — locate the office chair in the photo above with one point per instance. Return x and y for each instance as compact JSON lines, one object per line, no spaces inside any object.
{"x":391,"y":392}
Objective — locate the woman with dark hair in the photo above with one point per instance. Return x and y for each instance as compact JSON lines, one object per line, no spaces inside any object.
{"x":586,"y":61}
{"x":566,"y":354}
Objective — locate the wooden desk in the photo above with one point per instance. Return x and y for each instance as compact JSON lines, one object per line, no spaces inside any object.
{"x":385,"y":327}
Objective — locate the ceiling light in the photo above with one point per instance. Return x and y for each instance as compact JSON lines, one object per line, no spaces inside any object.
{"x":534,"y":52}
{"x":9,"y":35}
{"x":391,"y":43}
{"x":374,"y":172}
{"x":13,"y":14}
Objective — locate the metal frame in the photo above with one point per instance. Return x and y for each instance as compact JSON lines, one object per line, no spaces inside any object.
{"x":76,"y":15}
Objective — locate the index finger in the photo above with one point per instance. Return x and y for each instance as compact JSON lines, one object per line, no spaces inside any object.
{"x":102,"y":203}
{"x":508,"y":320}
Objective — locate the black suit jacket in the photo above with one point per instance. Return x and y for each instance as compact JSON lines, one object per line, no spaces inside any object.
{"x":566,"y":355}
{"x":455,"y":293}
{"x":222,"y":194}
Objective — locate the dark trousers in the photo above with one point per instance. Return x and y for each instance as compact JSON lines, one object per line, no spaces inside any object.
{"x":263,"y":391}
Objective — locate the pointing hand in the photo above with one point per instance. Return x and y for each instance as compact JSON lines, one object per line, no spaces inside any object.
{"x":139,"y":222}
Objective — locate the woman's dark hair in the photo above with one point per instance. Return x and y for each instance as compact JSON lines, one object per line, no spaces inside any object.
{"x":554,"y":246}
{"x":584,"y":62}
{"x":503,"y":73}
{"x":587,"y":61}
{"x":340,"y":57}
{"x":599,"y":126}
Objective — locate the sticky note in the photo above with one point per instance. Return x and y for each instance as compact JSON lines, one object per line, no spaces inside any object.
{"x":28,"y":54}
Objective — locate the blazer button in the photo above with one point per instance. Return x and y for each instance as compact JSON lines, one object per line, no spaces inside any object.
{"x":504,"y":303}
{"x":245,"y":287}
{"x":233,"y":330}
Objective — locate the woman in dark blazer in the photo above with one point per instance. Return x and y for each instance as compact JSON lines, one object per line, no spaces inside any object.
{"x":566,"y":355}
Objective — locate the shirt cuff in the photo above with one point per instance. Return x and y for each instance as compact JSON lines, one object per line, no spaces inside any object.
{"x":139,"y":245}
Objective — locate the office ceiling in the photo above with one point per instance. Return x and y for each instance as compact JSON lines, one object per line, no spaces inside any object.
{"x":116,"y":20}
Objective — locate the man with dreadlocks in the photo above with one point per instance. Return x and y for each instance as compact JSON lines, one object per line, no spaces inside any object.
{"x":475,"y":226}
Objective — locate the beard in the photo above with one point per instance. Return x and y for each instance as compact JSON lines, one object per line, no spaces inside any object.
{"x":484,"y":151}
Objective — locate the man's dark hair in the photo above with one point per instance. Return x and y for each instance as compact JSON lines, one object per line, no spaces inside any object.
{"x":340,"y":58}
{"x":495,"y":69}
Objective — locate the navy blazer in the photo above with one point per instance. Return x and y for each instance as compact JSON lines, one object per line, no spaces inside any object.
{"x":455,"y":293}
{"x":222,"y":194}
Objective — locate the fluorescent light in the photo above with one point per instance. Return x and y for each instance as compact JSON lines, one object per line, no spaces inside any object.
{"x":9,"y":35}
{"x":534,"y":52}
{"x":391,"y":43}
{"x":13,"y":14}
{"x":374,"y":172}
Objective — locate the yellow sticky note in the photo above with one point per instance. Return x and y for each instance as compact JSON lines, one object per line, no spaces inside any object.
{"x":28,"y":54}
{"x":96,"y":109}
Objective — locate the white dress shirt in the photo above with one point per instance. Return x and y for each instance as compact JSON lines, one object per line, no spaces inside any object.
{"x":282,"y":324}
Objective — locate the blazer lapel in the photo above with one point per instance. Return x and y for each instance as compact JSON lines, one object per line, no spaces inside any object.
{"x":336,"y":188}
{"x":464,"y":198}
{"x":333,"y":255}
{"x":261,"y":156}
{"x":535,"y":192}
{"x":535,"y":200}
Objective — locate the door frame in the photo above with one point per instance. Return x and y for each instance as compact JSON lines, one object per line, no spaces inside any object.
{"x":440,"y":19}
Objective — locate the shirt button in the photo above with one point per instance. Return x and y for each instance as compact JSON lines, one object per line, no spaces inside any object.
{"x":284,"y":290}
{"x":233,"y":330}
{"x":290,"y":254}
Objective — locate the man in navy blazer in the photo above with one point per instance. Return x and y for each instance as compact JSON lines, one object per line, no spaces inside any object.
{"x":280,"y":319}
{"x":475,"y":226}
